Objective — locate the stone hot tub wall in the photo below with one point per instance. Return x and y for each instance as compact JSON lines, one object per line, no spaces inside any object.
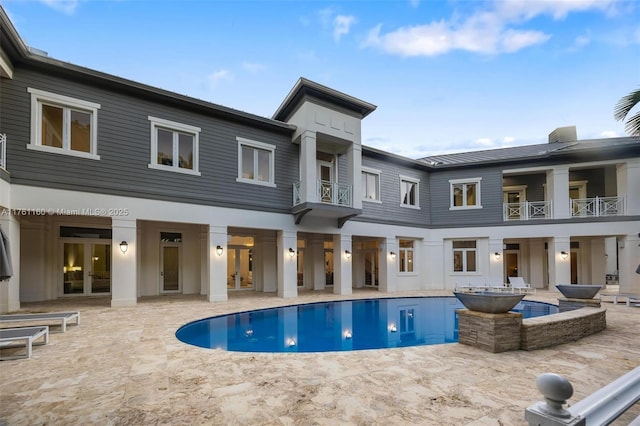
{"x":564,"y":327}
{"x":509,"y":332}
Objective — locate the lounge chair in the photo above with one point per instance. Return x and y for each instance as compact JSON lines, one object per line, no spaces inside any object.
{"x":496,"y":284}
{"x":23,"y":336}
{"x":44,"y":318}
{"x":519,"y":286}
{"x":470,"y":284}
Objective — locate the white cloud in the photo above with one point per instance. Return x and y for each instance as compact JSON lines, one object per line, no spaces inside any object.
{"x":342,"y":25}
{"x":216,"y":77}
{"x":508,"y":140}
{"x":414,"y":3}
{"x":609,"y":134}
{"x":483,"y":142}
{"x":490,"y":31}
{"x":65,"y":6}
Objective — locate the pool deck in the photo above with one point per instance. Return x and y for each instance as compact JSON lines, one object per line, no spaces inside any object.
{"x":124,"y":366}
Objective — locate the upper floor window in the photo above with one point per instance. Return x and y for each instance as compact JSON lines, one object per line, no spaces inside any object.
{"x":256,"y":162}
{"x":464,"y":256}
{"x":405,"y":250}
{"x":63,"y":125}
{"x":465,"y":193}
{"x":409,"y":192}
{"x":174,"y":146}
{"x":370,"y":184}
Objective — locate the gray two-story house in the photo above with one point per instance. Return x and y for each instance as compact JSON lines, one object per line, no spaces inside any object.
{"x":112,"y":187}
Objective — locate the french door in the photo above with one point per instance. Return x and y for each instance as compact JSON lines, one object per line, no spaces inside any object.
{"x":86,"y":267}
{"x":239,"y":268}
{"x":170,"y":277}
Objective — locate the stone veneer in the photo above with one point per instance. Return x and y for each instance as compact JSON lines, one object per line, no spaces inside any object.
{"x":564,"y":327}
{"x":509,"y":332}
{"x":490,"y":332}
{"x":570,"y":304}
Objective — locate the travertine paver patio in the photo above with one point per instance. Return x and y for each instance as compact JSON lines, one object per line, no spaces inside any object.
{"x":124,"y":366}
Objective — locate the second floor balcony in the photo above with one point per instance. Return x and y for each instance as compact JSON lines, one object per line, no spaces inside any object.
{"x":528,"y":210}
{"x":586,"y":207}
{"x":330,"y":200}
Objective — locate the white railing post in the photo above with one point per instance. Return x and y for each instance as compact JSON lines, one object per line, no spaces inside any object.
{"x":3,"y":150}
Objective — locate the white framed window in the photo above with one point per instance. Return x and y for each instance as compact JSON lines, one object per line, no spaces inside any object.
{"x":465,"y":256}
{"x":63,"y":125}
{"x":405,"y":252}
{"x":370,"y":185}
{"x":409,"y":190}
{"x":256,"y":162}
{"x":465,"y":194}
{"x":174,"y":146}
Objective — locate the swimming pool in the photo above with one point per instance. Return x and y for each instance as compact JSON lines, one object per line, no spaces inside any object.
{"x":339,"y":325}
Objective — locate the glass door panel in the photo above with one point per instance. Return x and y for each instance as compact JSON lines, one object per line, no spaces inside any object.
{"x":240,"y":269}
{"x":73,"y":268}
{"x":100,"y":271}
{"x":511,"y":264}
{"x":328,"y":267}
{"x":371,"y":268}
{"x":170,"y":274}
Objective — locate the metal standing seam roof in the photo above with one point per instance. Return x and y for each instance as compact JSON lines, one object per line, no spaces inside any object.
{"x":530,"y":152}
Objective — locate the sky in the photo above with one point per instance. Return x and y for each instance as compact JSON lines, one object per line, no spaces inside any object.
{"x":446,"y":76}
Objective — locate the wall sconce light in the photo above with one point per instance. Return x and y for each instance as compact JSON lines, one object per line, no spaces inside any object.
{"x":393,"y":328}
{"x":124,"y":246}
{"x":219,"y":250}
{"x":291,"y":342}
{"x":292,"y":252}
{"x":347,"y":334}
{"x":564,"y":254}
{"x":497,"y":255}
{"x":393,"y":255}
{"x":347,"y":254}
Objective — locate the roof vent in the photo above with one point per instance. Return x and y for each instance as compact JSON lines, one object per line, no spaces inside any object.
{"x":36,"y":51}
{"x":563,"y":134}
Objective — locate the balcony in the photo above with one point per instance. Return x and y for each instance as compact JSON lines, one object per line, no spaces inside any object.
{"x":527,"y":211}
{"x":331,"y":200}
{"x":598,"y":206}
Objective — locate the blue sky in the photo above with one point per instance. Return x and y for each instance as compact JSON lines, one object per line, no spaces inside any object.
{"x":447,"y":76}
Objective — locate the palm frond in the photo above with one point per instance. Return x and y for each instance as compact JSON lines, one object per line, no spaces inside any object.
{"x":625,"y":104}
{"x":632,"y":126}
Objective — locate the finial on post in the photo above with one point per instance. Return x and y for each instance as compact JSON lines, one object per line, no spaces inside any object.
{"x":556,"y":391}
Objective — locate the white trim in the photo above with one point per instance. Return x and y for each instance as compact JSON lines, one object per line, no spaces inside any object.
{"x":475,"y":181}
{"x":40,"y":97}
{"x":175,"y":127}
{"x":272,"y":159}
{"x":378,"y":200}
{"x":404,"y":178}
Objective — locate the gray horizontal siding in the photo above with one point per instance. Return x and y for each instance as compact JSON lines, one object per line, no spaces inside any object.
{"x":389,"y":210}
{"x":490,"y":198}
{"x":533,"y":182}
{"x":124,"y":149}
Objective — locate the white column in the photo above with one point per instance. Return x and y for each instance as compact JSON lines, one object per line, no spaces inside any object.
{"x":496,"y":265}
{"x":308,"y":167}
{"x":537,"y":276}
{"x":316,"y":260}
{"x":217,"y":264}
{"x":10,"y":290}
{"x":628,"y":176}
{"x":559,"y":268}
{"x":124,"y":277}
{"x":388,"y":266}
{"x":354,"y":174}
{"x":558,"y":191}
{"x":629,"y":262}
{"x":287,"y":271}
{"x":342,"y":264}
{"x":434,"y":256}
{"x":268,"y":264}
{"x":598,"y":263}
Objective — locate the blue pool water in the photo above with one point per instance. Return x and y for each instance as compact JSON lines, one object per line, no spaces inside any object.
{"x":339,"y":325}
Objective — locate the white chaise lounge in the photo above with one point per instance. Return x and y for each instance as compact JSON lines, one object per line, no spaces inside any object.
{"x":519,"y":286}
{"x":23,"y":336}
{"x":63,"y":318}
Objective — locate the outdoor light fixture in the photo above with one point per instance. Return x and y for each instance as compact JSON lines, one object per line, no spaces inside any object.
{"x":564,"y":254}
{"x":347,"y":253}
{"x":347,"y":334}
{"x":392,"y":254}
{"x":124,"y":246}
{"x":393,"y":328}
{"x":292,"y":252}
{"x":219,"y":250}
{"x":497,"y":255}
{"x":291,"y":342}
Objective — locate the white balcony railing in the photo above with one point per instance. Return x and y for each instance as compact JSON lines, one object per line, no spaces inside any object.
{"x":598,"y":206}
{"x":327,"y":192}
{"x":3,"y":151}
{"x":527,"y":210}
